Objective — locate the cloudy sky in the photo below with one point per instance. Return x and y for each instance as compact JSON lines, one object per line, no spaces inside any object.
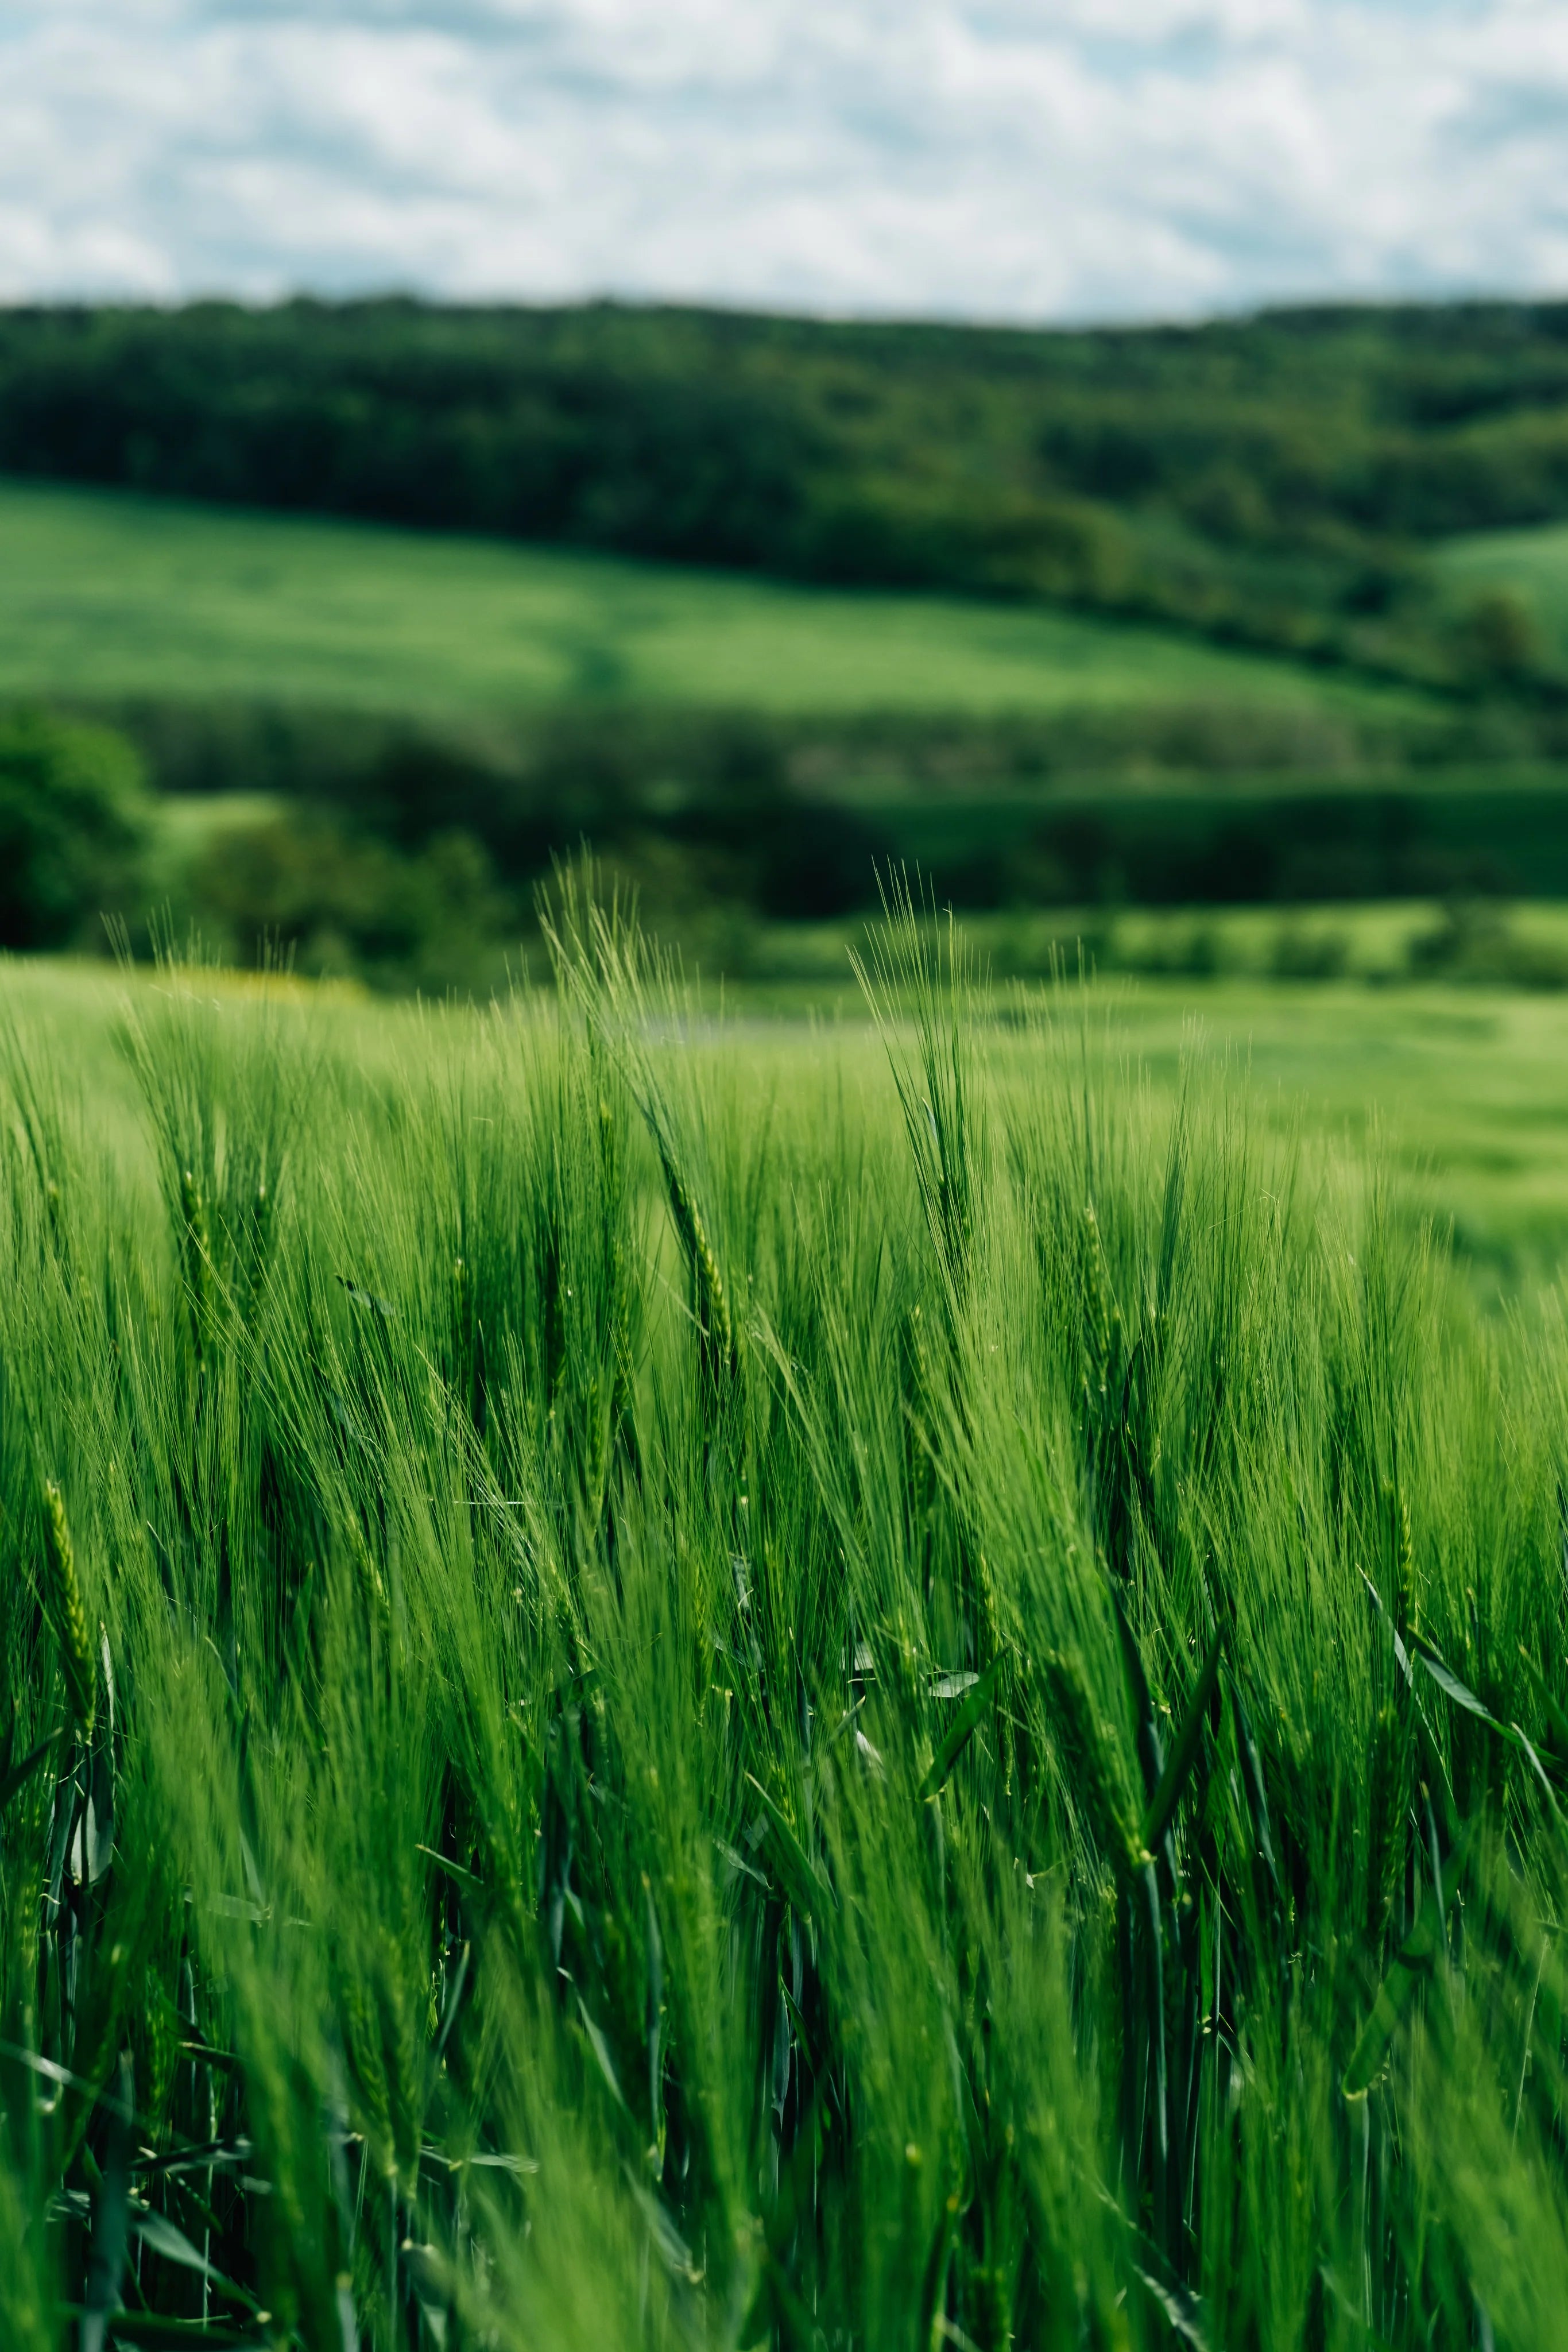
{"x":1016,"y":159}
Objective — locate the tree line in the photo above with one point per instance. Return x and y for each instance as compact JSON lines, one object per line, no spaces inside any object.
{"x":1274,"y":480}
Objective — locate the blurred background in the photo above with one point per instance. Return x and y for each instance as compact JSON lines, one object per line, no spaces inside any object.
{"x":1112,"y":460}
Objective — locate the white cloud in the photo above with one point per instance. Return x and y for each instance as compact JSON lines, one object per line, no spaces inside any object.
{"x":1004,"y":158}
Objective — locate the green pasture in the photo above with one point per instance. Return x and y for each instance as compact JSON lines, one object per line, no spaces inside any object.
{"x":108,"y":594}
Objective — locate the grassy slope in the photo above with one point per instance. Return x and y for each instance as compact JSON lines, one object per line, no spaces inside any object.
{"x":104,"y":594}
{"x":529,"y":1696}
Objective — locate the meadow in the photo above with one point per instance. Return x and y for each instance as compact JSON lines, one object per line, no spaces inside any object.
{"x":680,"y":1681}
{"x":107,"y":595}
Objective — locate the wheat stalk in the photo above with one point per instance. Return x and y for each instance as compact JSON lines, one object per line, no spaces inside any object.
{"x":66,"y":1614}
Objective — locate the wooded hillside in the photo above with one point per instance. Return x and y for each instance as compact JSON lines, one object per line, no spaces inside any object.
{"x":1274,"y":480}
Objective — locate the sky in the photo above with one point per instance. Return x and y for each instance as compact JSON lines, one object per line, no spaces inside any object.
{"x":1027,"y":160}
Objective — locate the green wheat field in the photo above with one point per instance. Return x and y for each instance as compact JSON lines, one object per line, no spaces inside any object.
{"x":678,"y":1682}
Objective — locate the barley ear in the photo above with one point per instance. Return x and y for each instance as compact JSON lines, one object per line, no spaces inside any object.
{"x":710,"y":1307}
{"x":67,"y":1616}
{"x":198,"y":1258}
{"x":1405,"y":1602}
{"x":714,"y":1305}
{"x":1103,"y":1315}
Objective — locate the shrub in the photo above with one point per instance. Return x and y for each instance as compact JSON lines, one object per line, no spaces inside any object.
{"x":340,"y":902}
{"x":1500,"y":641}
{"x":74,"y":822}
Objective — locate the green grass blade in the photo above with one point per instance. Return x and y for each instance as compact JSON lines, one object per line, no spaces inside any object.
{"x":159,"y":2334}
{"x":961,"y":1730}
{"x":1151,"y":1754}
{"x":17,"y":1778}
{"x":1182,"y":1755}
{"x":1414,"y":1960}
{"x":798,"y":1877}
{"x":1556,"y":1715}
{"x":1252,"y":1779}
{"x":1449,"y":1681}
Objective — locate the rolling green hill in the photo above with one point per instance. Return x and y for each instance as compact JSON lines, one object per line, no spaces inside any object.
{"x":106,"y":594}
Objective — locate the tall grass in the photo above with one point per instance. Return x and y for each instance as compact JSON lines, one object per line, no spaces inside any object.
{"x":663,"y":1692}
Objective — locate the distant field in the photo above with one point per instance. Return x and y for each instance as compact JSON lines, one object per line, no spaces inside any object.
{"x":108,"y":594}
